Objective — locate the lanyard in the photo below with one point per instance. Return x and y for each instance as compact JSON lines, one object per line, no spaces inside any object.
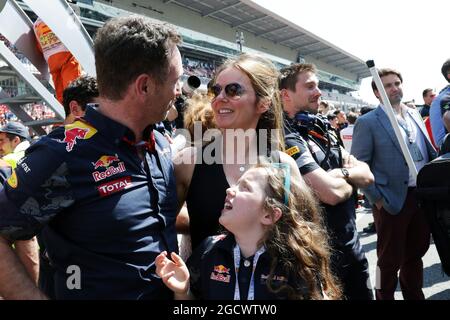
{"x":406,"y":127}
{"x":237,"y":261}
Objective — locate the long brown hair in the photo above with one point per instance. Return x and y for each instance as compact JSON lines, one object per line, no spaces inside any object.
{"x":264,"y":78}
{"x":298,"y":239}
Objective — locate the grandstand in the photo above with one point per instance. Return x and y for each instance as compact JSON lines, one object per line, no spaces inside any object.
{"x":212,"y":31}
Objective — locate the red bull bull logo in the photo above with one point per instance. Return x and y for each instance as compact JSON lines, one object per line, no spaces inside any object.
{"x":77,"y":130}
{"x":221,"y":269}
{"x":106,"y":162}
{"x":221,"y":273}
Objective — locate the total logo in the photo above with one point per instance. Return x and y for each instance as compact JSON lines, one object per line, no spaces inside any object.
{"x":114,"y":186}
{"x":105,"y":162}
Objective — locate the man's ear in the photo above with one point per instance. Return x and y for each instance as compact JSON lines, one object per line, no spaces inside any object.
{"x":271,"y":216}
{"x":144,"y":85}
{"x":377,"y":94}
{"x":285,"y":96}
{"x":15,"y":141}
{"x":75,"y":109}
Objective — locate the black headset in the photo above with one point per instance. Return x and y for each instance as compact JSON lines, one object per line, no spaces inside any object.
{"x":317,"y":123}
{"x":307,"y":122}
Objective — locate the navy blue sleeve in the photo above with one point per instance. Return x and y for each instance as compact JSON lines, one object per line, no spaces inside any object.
{"x":196,"y":262}
{"x":298,"y":149}
{"x":35,"y":192}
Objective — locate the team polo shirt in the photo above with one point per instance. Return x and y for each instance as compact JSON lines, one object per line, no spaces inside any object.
{"x":297,"y":148}
{"x":309,"y":152}
{"x":104,"y":213}
{"x":213,"y":275}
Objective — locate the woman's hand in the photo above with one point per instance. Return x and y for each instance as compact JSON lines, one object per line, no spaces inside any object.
{"x":174,"y":273}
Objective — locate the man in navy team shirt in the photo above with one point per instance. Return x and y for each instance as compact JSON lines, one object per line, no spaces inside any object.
{"x":101,"y":190}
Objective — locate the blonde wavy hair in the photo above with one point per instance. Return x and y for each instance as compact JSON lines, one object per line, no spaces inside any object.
{"x":198,"y":108}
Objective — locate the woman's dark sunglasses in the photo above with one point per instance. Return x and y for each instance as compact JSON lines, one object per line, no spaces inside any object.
{"x":232,"y":90}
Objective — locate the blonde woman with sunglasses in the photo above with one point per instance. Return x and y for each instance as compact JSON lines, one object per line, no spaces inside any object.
{"x":245,"y":98}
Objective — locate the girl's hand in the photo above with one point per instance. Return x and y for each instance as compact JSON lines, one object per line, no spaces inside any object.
{"x":174,"y":273}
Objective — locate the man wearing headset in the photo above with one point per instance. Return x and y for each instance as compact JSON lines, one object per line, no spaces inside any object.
{"x":330,"y":171}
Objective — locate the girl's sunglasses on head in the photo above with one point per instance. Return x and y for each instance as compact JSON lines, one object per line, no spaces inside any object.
{"x":232,"y":90}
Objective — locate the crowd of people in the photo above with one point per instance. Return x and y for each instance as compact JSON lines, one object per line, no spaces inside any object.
{"x":195,"y":67}
{"x":266,"y":192}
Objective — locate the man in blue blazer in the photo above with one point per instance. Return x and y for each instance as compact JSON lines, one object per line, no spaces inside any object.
{"x":402,"y":229}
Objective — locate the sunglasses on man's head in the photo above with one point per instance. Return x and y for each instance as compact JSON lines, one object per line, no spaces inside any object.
{"x":232,"y":90}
